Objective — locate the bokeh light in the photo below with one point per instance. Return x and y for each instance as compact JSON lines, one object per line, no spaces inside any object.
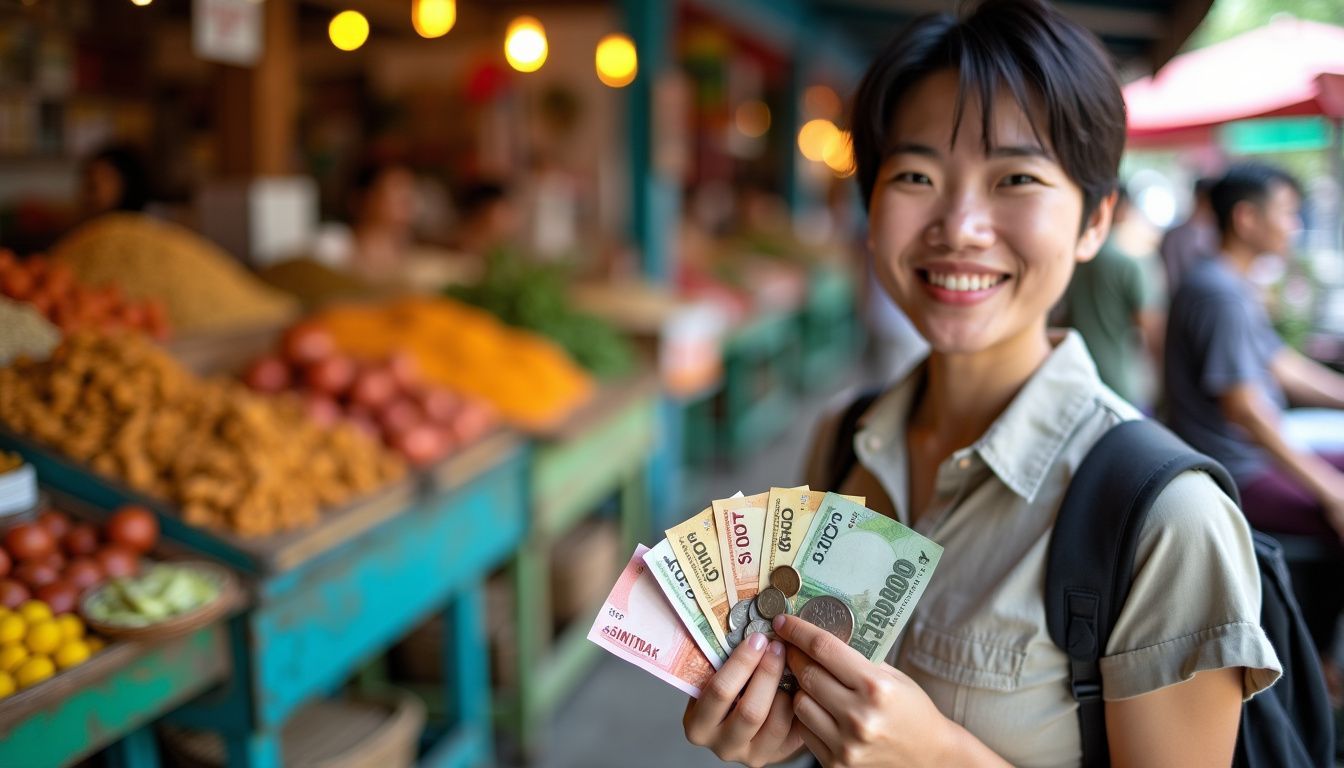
{"x":821,"y":101}
{"x":348,"y":30}
{"x":617,"y":63}
{"x":433,"y":18}
{"x":839,"y":155}
{"x":525,"y":45}
{"x":816,"y":138}
{"x":752,"y":118}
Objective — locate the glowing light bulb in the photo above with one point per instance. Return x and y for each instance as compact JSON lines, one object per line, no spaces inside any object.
{"x":348,"y":30}
{"x":617,"y":63}
{"x":525,"y":45}
{"x":816,"y":138}
{"x":433,"y":18}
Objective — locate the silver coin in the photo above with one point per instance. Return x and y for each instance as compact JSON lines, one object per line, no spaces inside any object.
{"x":738,"y":616}
{"x":786,"y":579}
{"x":762,"y":626}
{"x":736,"y":637}
{"x":754,"y":613}
{"x":831,"y":614}
{"x":771,"y":602}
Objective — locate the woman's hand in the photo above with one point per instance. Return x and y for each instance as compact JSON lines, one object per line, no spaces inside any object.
{"x":758,"y":728}
{"x":857,"y":713}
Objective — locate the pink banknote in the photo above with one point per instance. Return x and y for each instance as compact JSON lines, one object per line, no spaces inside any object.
{"x":637,"y":624}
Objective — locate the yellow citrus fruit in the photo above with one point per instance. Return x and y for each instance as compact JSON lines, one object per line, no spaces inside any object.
{"x":12,"y":629}
{"x":34,"y":611}
{"x":71,"y":627}
{"x":43,"y":637}
{"x":6,"y":684}
{"x":95,"y":644}
{"x":11,"y":656}
{"x":34,"y":671}
{"x":72,"y":653}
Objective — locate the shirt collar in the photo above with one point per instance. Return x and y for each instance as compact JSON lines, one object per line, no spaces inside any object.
{"x":1022,"y":443}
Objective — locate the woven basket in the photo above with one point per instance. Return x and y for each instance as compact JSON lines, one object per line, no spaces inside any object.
{"x":357,"y":733}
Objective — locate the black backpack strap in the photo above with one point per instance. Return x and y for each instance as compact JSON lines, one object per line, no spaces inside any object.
{"x":1091,"y":558}
{"x":843,"y":457}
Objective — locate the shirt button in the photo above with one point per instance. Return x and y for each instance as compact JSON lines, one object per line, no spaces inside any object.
{"x":964,"y":464}
{"x":873,"y":443}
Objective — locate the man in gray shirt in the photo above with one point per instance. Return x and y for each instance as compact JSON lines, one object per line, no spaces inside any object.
{"x":1229,"y":377}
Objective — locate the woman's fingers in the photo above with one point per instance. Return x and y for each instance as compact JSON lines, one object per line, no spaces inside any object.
{"x":844,"y":663}
{"x":705,"y":715}
{"x":815,"y":745}
{"x":817,"y":720}
{"x":753,"y":709}
{"x":814,"y":678}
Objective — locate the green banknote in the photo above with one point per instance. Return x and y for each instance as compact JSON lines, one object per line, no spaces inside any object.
{"x":877,"y":566}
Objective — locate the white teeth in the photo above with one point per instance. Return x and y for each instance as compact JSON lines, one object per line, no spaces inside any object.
{"x":964,"y":282}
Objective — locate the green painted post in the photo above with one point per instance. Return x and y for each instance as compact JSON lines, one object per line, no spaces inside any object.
{"x":655,"y":200}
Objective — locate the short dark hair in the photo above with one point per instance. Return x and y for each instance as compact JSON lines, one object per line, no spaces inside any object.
{"x":130,"y":166}
{"x":1024,"y":45}
{"x":1247,"y":182}
{"x":1203,"y":186}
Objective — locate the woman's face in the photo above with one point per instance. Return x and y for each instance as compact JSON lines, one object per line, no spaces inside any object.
{"x":975,"y":247}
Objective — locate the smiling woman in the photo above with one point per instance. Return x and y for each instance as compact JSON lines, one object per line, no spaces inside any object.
{"x":987,"y":150}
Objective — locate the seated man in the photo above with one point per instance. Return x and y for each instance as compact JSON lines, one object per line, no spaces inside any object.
{"x":1229,"y":377}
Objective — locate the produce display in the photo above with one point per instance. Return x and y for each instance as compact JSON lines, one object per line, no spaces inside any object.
{"x":56,"y":559}
{"x":536,"y":297}
{"x":314,"y":283}
{"x":36,"y":642}
{"x":228,"y":457}
{"x":530,"y":381}
{"x":386,"y":398}
{"x":9,"y":462}
{"x":202,"y":287}
{"x":72,"y":303}
{"x":161,"y":592}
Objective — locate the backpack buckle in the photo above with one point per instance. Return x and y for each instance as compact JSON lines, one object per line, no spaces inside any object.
{"x":1085,"y":690}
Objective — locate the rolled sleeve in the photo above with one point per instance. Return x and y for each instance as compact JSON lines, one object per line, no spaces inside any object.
{"x":1195,"y":600}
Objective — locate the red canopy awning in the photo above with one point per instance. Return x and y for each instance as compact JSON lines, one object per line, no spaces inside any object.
{"x":1289,"y":67}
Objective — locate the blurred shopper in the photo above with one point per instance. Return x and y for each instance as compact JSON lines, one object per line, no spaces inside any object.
{"x":489,"y":218}
{"x":383,"y":207}
{"x":1120,"y":312}
{"x":114,"y":179}
{"x":1191,"y":241}
{"x":1229,"y":377}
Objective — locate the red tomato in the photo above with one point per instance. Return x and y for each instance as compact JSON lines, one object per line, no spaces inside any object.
{"x":440,"y":405}
{"x":400,"y":415}
{"x":322,"y":409}
{"x":83,"y":572}
{"x":13,"y":593}
{"x":56,"y":523}
{"x":54,"y":559}
{"x":60,"y":596}
{"x":36,"y":575}
{"x":421,"y":445}
{"x":267,"y":374}
{"x":373,"y":387}
{"x":404,"y":370}
{"x":116,"y":560}
{"x":29,"y":541}
{"x":135,"y":528}
{"x":5,"y":563}
{"x":82,"y":540}
{"x":306,"y":343}
{"x":330,"y":375}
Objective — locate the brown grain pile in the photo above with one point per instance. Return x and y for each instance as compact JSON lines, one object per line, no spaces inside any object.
{"x":229,"y":458}
{"x":201,"y":285}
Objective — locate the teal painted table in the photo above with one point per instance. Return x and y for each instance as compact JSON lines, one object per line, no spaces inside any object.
{"x":828,"y":329}
{"x":326,"y":600}
{"x":110,"y":700}
{"x":606,"y":451}
{"x":758,"y":362}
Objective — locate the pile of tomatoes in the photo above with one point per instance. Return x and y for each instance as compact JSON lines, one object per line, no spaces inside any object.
{"x":56,"y":559}
{"x":52,"y":288}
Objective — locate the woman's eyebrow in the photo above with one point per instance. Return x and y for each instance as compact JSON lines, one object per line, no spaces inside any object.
{"x":1021,"y":150}
{"x":913,"y":148}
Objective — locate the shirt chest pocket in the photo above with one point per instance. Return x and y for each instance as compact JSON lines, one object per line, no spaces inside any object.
{"x":965,"y":657}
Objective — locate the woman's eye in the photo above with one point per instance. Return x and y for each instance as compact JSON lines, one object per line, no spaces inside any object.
{"x":1018,"y":179}
{"x":912,"y":177}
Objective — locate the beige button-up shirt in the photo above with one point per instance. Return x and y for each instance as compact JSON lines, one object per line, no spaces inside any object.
{"x":977,"y":643}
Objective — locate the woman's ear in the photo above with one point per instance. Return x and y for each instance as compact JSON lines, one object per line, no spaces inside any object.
{"x":1095,"y":229}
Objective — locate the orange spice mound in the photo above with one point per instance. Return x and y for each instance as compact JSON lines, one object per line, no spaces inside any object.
{"x":529,"y":380}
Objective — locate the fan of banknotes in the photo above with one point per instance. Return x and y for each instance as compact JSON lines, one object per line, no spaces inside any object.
{"x":680,"y":608}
